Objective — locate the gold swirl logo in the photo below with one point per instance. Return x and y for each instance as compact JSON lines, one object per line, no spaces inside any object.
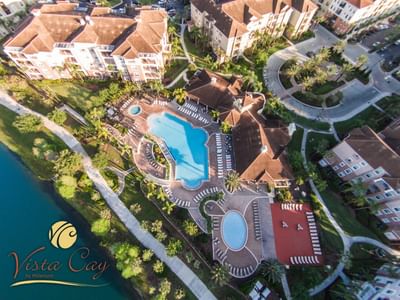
{"x":62,"y":235}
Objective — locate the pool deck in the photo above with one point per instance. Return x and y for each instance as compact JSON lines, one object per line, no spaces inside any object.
{"x":253,"y":203}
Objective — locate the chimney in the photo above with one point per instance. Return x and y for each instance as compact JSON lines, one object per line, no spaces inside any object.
{"x":36,"y":12}
{"x":82,"y":21}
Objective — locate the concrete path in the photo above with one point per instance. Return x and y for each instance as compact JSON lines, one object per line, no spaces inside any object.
{"x":347,"y":240}
{"x":182,"y":271}
{"x":356,"y":96}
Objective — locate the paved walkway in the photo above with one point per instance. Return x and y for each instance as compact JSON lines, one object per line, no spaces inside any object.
{"x":182,"y":271}
{"x":356,"y":96}
{"x":347,"y":240}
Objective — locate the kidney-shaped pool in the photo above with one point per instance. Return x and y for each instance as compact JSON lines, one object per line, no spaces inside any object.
{"x":187,"y":146}
{"x":234,"y":230}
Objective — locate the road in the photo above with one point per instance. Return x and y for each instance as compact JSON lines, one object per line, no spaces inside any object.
{"x":182,"y":271}
{"x":357,"y":97}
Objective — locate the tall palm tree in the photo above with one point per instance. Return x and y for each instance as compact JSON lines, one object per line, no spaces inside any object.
{"x":293,"y":70}
{"x":339,"y":46}
{"x":161,"y":195}
{"x":272,"y":270}
{"x":232,"y":181}
{"x":308,"y":83}
{"x":324,"y":54}
{"x":347,"y":69}
{"x":220,"y":275}
{"x":321,"y":76}
{"x":168,"y":207}
{"x":180,"y":95}
{"x":361,"y":60}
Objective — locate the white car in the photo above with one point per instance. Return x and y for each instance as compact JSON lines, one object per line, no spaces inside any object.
{"x":397,"y":42}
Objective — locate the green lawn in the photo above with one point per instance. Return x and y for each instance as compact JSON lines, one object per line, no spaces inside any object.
{"x":370,"y":117}
{"x":391,"y":105}
{"x":309,"y":98}
{"x":344,"y":215}
{"x":22,"y":144}
{"x":174,"y":69}
{"x":295,"y":142}
{"x":314,"y":139}
{"x":309,"y":123}
{"x":326,"y":87}
{"x":73,"y":93}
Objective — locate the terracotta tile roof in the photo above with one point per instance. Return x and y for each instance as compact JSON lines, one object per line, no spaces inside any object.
{"x":232,"y":16}
{"x":374,"y":150}
{"x":360,"y":3}
{"x":259,"y":151}
{"x":59,"y":23}
{"x":391,"y":135}
{"x":213,"y":90}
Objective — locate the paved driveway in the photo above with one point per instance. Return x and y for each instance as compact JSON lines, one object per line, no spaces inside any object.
{"x":356,"y":96}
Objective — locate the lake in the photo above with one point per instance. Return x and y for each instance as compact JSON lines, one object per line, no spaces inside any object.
{"x":29,"y":208}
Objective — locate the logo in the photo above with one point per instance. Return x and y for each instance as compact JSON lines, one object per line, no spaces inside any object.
{"x":37,"y":268}
{"x":62,"y":235}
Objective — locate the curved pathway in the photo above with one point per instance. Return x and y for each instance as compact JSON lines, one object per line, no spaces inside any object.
{"x":347,"y":240}
{"x":356,"y":96}
{"x":182,"y":271}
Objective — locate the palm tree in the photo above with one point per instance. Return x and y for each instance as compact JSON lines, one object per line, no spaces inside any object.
{"x":220,"y":275}
{"x":161,"y":195}
{"x":347,"y":69}
{"x":196,"y":33}
{"x":180,"y":95}
{"x":321,"y":76}
{"x":151,"y":189}
{"x":168,"y":207}
{"x":339,"y":46}
{"x":232,"y":181}
{"x":361,"y":60}
{"x":308,"y":83}
{"x":357,"y":188}
{"x":324,"y":54}
{"x":157,"y":86}
{"x":226,"y":127}
{"x":293,"y":70}
{"x":272,"y":270}
{"x":214,"y":114}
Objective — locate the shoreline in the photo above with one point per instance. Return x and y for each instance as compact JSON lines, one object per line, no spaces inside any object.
{"x":82,"y":224}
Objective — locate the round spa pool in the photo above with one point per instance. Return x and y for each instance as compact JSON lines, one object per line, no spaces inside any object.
{"x":135,"y":110}
{"x":234,"y":230}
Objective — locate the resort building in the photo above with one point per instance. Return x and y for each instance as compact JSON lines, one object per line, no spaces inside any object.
{"x":64,"y":40}
{"x":232,"y":25}
{"x":385,"y":285}
{"x":347,"y":15}
{"x":10,"y":14}
{"x":373,"y":159}
{"x":258,"y":144}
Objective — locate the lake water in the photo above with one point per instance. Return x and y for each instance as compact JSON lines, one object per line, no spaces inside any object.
{"x":28,"y":209}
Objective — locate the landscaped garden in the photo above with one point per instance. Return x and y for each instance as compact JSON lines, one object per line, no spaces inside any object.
{"x":317,"y":81}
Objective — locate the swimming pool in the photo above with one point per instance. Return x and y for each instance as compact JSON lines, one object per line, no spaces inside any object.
{"x":234,"y":230}
{"x":135,"y":110}
{"x":187,"y":146}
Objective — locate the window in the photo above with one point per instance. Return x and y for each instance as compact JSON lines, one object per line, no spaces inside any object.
{"x":363,"y":164}
{"x":396,"y":219}
{"x":388,"y":194}
{"x":335,"y":168}
{"x":341,"y":174}
{"x":342,"y":164}
{"x":349,"y":160}
{"x":348,"y":171}
{"x":355,"y":167}
{"x":377,"y":197}
{"x":387,"y":211}
{"x":385,"y":220}
{"x":368,"y":175}
{"x":377,"y":172}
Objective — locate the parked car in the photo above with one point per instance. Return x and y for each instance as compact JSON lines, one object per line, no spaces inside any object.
{"x":397,"y":42}
{"x":376,"y":44}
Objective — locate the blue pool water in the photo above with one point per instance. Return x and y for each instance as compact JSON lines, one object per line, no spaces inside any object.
{"x":186,"y":144}
{"x":135,"y":110}
{"x":234,"y":230}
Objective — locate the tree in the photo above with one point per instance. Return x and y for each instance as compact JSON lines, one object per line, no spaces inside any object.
{"x":232,"y":181}
{"x":85,"y":183}
{"x":100,"y":160}
{"x":180,"y":95}
{"x":339,"y":46}
{"x":101,"y":227}
{"x":58,"y":116}
{"x":156,"y":226}
{"x":161,"y":195}
{"x":321,"y":76}
{"x":293,"y":70}
{"x":324,"y":54}
{"x":284,"y":195}
{"x":214,"y":114}
{"x":165,"y":287}
{"x":147,"y":255}
{"x":158,"y":266}
{"x":179,"y":294}
{"x":135,"y":208}
{"x":272,"y":270}
{"x":190,"y":228}
{"x":174,"y":247}
{"x":66,"y":186}
{"x":322,"y":146}
{"x":95,"y":114}
{"x":347,"y":69}
{"x":308,"y":83}
{"x":68,"y":163}
{"x":220,"y":275}
{"x":226,"y":128}
{"x":361,"y":60}
{"x":168,"y":207}
{"x":28,"y":123}
{"x":106,"y":214}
